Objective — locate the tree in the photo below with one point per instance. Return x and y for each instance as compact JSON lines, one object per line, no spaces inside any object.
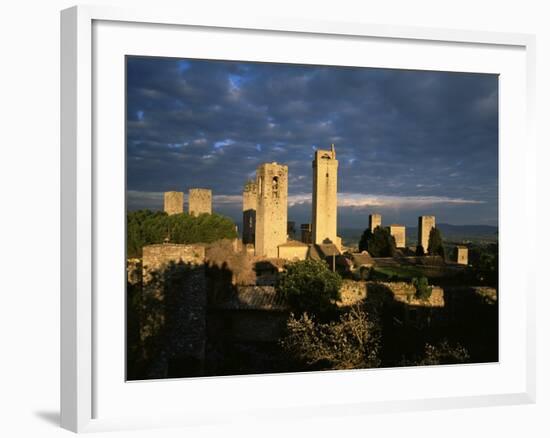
{"x":420,"y":250}
{"x":310,"y":286}
{"x":423,"y":290}
{"x":435,"y":243}
{"x":364,"y":241}
{"x":351,"y":342}
{"x":379,"y":243}
{"x":146,"y":227}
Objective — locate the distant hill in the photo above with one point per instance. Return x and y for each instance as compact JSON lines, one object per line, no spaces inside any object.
{"x":454,"y":233}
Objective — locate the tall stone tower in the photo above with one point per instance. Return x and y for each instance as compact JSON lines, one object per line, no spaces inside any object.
{"x":425,"y":225}
{"x":375,"y":220}
{"x":173,"y":202}
{"x":271,"y":213}
{"x":250,"y":193}
{"x":200,"y":201}
{"x":325,"y":177}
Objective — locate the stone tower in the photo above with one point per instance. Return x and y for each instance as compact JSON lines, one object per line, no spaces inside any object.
{"x":200,"y":201}
{"x":398,"y":232}
{"x":250,"y":193}
{"x":271,"y":213}
{"x":325,"y":177}
{"x":173,"y":202}
{"x":375,"y":220}
{"x":425,"y":225}
{"x":462,"y":255}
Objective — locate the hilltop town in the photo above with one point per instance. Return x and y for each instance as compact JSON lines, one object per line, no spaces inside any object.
{"x":220,"y":307}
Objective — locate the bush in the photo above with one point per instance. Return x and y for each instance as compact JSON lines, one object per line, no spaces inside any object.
{"x":309,"y":286}
{"x":351,"y":342}
{"x":423,"y":290}
{"x":146,"y":227}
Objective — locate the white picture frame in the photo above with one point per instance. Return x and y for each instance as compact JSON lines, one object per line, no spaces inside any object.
{"x":82,"y":368}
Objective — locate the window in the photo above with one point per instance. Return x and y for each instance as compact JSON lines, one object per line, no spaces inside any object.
{"x":275,"y":187}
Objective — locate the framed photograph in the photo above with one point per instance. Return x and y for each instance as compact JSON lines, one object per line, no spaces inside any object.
{"x":269,"y":207}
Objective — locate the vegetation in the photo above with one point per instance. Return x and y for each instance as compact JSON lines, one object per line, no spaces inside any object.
{"x":379,"y":243}
{"x":309,"y":286}
{"x":146,"y":227}
{"x":435,"y":243}
{"x":444,"y":353}
{"x":350,"y":342}
{"x":423,"y":290}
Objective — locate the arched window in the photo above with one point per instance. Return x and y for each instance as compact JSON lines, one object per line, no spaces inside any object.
{"x":275,"y":187}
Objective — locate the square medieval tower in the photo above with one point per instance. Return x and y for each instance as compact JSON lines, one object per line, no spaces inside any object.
{"x":271,"y":213}
{"x":325,"y":177}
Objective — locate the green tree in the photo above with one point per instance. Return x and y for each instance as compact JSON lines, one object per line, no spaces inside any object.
{"x":381,"y":243}
{"x":364,"y":240}
{"x":310,"y":286}
{"x":423,"y":290}
{"x":435,"y":243}
{"x":146,"y":227}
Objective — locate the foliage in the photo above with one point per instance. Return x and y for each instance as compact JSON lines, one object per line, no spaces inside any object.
{"x":420,"y":250}
{"x":484,"y":261}
{"x":147,"y":227}
{"x":435,"y":243}
{"x":310,"y":286}
{"x":444,"y":354}
{"x":364,"y":240}
{"x":350,"y":342}
{"x":379,"y":243}
{"x":423,"y":290}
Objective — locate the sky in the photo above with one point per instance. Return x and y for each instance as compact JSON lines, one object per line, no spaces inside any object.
{"x":409,"y":143}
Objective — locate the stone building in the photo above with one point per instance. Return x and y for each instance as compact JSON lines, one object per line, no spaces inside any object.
{"x":174,"y":285}
{"x":200,"y":201}
{"x":324,"y":209}
{"x":425,"y":225}
{"x":398,"y":233}
{"x":375,"y":220}
{"x":173,"y":202}
{"x":462,"y":255}
{"x":271,"y":213}
{"x":293,"y":250}
{"x":250,"y":193}
{"x":305,"y":233}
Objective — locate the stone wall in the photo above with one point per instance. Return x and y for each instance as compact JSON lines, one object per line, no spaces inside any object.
{"x":174,"y":294}
{"x":200,"y":201}
{"x":173,"y":202}
{"x":353,"y":292}
{"x":293,"y":251}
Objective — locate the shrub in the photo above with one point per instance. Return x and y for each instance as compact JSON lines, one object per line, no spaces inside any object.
{"x":309,"y":286}
{"x":351,"y":342}
{"x":423,"y":290}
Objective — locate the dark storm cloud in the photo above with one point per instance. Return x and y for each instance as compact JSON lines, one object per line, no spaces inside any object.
{"x":408,"y":142}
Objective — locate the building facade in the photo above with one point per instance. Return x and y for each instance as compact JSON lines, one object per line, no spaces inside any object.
{"x":398,"y":233}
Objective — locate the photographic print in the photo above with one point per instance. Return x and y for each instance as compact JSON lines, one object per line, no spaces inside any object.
{"x":296,"y":218}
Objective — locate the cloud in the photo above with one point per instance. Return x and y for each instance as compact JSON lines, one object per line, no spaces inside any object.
{"x":401,"y":134}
